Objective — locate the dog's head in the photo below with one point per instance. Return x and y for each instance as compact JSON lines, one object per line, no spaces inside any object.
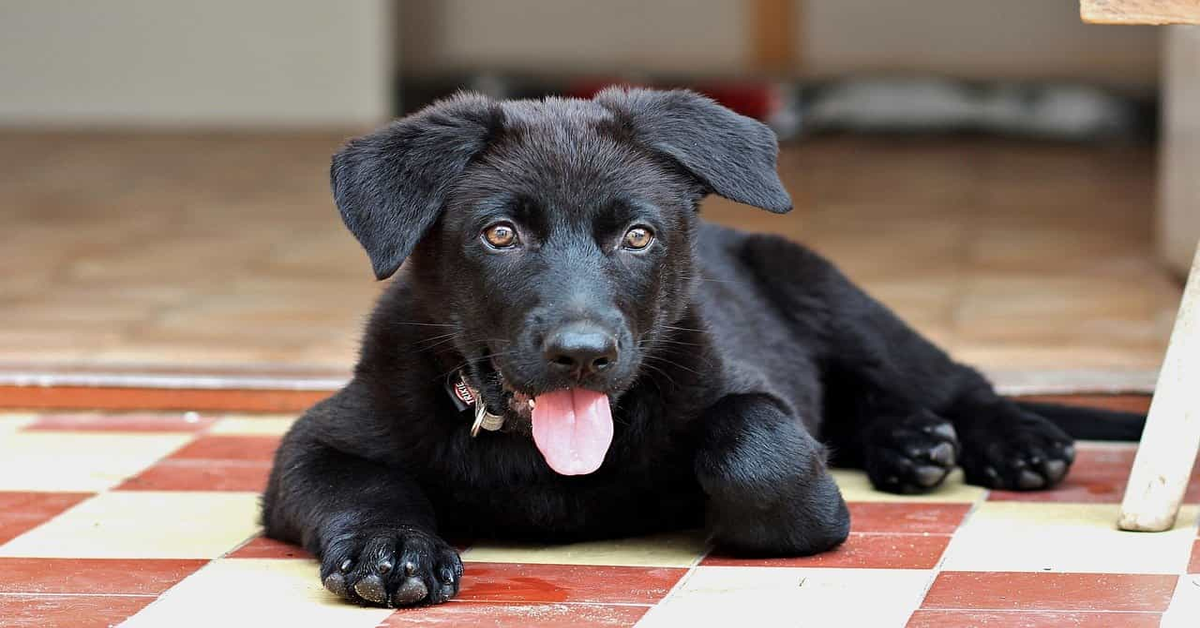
{"x":554,"y":236}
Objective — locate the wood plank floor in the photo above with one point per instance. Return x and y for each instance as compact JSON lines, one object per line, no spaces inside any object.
{"x":224,"y":251}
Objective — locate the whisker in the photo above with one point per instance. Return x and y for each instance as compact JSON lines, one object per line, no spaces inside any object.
{"x":475,"y":360}
{"x":662,"y":373}
{"x":426,"y":347}
{"x":676,"y":328}
{"x":710,"y":280}
{"x":669,"y":346}
{"x":437,"y":337}
{"x":671,"y":363}
{"x":655,"y":341}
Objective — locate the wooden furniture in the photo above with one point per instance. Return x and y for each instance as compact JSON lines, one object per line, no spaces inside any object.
{"x":1171,"y":439}
{"x":1140,"y":11}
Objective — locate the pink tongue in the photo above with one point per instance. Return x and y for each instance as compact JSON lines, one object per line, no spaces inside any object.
{"x":573,"y":429}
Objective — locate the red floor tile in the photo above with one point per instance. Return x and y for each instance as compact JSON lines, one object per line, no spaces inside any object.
{"x":1194,"y":563}
{"x":913,"y":518}
{"x":132,"y":422}
{"x":200,"y":475}
{"x":519,"y":615}
{"x":93,"y":575}
{"x":1031,"y":619}
{"x":1133,"y":402}
{"x":1050,"y":591}
{"x":262,"y":547}
{"x":211,"y":463}
{"x":864,"y":551}
{"x":229,"y":448}
{"x":68,"y":611}
{"x":23,"y":511}
{"x":1099,"y":475}
{"x":512,"y":582}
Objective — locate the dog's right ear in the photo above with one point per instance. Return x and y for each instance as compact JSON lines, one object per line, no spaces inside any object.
{"x":390,"y":185}
{"x":732,"y":155}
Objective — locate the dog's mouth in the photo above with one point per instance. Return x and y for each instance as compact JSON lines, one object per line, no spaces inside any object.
{"x":571,"y":427}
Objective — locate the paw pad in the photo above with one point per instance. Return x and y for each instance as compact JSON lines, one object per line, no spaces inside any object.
{"x":1023,"y":452}
{"x":912,"y":455}
{"x":362,"y":568}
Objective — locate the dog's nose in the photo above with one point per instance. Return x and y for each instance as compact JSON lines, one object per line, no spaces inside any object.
{"x":580,"y":349}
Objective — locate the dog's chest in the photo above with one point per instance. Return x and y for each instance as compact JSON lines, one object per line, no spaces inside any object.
{"x":505,"y":502}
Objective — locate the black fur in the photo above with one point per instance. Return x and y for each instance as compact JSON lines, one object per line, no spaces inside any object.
{"x":736,"y":356}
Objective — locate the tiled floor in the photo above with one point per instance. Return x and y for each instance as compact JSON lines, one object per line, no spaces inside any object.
{"x":150,"y":519}
{"x":223,"y":251}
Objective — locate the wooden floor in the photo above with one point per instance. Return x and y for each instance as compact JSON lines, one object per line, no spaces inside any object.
{"x":214,"y":252}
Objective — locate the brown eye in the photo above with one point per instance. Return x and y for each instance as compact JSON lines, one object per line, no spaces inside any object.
{"x":501,"y":235}
{"x":637,"y":238}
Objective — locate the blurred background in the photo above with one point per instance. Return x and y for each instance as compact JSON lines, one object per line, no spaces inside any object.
{"x":995,"y":172}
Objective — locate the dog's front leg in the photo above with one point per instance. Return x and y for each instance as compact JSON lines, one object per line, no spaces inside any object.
{"x":767,"y":487}
{"x":368,"y":523}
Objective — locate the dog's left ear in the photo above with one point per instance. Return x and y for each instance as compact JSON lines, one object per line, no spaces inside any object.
{"x":732,"y":155}
{"x":390,"y":185}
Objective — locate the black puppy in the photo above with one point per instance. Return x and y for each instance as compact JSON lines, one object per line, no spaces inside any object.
{"x":634,"y":368}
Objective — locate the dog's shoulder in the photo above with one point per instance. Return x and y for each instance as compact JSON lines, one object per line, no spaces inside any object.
{"x":397,"y":325}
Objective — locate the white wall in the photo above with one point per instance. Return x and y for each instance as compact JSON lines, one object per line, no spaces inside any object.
{"x":973,"y":38}
{"x":327,"y":62}
{"x":194,"y":63}
{"x":981,"y":38}
{"x":576,"y":35}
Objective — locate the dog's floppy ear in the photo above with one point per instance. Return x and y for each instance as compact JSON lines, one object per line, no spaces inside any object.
{"x":732,"y":155}
{"x":390,"y":185}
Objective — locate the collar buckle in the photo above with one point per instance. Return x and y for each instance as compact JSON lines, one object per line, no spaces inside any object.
{"x":464,"y":397}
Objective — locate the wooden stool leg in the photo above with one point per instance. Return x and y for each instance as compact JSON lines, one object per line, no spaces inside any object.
{"x":1172,"y":436}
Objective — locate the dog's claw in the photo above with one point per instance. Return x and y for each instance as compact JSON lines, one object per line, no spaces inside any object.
{"x":1029,"y":480}
{"x":943,"y":430}
{"x":943,"y":454}
{"x":1055,"y":470}
{"x":335,"y":583}
{"x":371,"y":588}
{"x":929,"y":475}
{"x":411,"y":591}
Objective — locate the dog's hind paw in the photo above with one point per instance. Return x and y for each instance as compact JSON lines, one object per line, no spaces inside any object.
{"x":1021,"y":453}
{"x":391,"y":567}
{"x":910,"y":455}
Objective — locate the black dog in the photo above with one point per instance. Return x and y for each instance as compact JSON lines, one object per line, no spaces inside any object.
{"x":634,"y":368}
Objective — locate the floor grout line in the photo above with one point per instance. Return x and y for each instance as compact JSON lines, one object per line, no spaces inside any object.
{"x":937,"y":567}
{"x":1040,"y":610}
{"x":61,"y":594}
{"x":691,"y":569}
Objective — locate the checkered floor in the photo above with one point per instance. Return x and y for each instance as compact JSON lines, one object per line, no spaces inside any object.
{"x":150,"y":520}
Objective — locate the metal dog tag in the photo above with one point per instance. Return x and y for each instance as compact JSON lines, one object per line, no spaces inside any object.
{"x":485,"y":420}
{"x":464,"y":397}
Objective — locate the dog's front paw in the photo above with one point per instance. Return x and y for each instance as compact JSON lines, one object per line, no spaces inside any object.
{"x":1022,"y":452}
{"x":910,"y":455}
{"x":391,"y":567}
